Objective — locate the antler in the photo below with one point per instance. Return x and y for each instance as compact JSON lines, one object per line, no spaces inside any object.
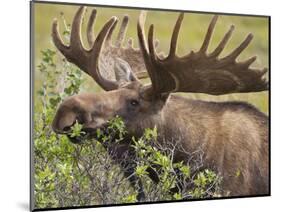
{"x":98,"y":61}
{"x":199,"y":72}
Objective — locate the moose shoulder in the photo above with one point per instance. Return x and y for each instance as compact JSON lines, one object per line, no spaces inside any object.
{"x":232,"y":135}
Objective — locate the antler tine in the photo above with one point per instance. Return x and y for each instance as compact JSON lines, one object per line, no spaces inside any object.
{"x":90,"y":31}
{"x":141,"y":35}
{"x":95,"y":53}
{"x":90,"y":26}
{"x":223,"y":42}
{"x":154,"y":88}
{"x":263,"y":71}
{"x":236,"y":52}
{"x":248,"y":62}
{"x":208,"y":36}
{"x":58,"y":40}
{"x":153,"y":57}
{"x":75,"y":48}
{"x":175,"y":34}
{"x":109,"y":34}
{"x":75,"y":37}
{"x":143,"y":45}
{"x":122,"y":31}
{"x":151,"y":44}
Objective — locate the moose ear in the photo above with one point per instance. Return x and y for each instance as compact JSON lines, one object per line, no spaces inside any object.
{"x":123,"y":71}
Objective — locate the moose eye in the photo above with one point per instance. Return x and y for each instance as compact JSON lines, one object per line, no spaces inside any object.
{"x":134,"y":102}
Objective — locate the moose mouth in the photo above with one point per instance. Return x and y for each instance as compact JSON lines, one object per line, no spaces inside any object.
{"x":76,"y":139}
{"x":87,"y":133}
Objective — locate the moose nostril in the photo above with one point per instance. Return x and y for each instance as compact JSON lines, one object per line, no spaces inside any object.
{"x":67,"y":129}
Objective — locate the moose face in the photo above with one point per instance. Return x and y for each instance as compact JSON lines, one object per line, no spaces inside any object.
{"x":93,"y":111}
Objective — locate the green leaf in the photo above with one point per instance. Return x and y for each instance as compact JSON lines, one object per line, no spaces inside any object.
{"x":141,"y":171}
{"x":76,"y":130}
{"x":130,"y":198}
{"x":150,"y":134}
{"x":177,"y":196}
{"x":161,"y":159}
{"x":201,"y":180}
{"x":185,"y":170}
{"x":238,"y":173}
{"x":99,"y":133}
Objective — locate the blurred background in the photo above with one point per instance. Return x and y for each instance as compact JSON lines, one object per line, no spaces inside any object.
{"x":191,"y":37}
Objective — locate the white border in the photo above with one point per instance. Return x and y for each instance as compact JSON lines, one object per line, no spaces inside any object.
{"x":14,"y":87}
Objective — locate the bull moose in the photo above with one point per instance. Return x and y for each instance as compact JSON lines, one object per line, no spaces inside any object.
{"x":232,"y":135}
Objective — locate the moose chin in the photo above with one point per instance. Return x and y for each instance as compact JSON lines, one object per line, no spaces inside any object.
{"x":232,"y":135}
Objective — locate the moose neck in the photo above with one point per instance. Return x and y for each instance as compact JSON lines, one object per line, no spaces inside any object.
{"x":184,"y":121}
